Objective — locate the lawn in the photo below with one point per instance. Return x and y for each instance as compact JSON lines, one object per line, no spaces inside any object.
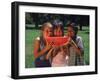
{"x":31,"y":34}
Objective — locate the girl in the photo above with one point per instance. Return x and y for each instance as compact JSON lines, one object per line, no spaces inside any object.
{"x":41,"y":48}
{"x":58,"y":55}
{"x":76,"y":46}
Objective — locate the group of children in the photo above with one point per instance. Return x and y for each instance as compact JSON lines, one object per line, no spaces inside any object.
{"x":69,"y":54}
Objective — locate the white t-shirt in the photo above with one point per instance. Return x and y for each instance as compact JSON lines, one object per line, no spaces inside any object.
{"x":80,"y":42}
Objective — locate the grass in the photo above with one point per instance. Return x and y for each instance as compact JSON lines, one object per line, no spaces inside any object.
{"x":31,"y":34}
{"x":85,"y":36}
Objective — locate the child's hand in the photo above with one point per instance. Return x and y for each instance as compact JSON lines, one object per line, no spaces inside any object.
{"x":48,"y":46}
{"x":49,"y":54}
{"x":74,"y":44}
{"x":67,"y":43}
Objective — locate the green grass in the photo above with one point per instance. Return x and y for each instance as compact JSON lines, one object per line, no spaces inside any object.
{"x":31,"y":34}
{"x":85,"y":36}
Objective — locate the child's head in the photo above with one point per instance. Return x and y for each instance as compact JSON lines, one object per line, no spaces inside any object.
{"x":58,"y":29}
{"x":47,"y":29}
{"x":72,"y":30}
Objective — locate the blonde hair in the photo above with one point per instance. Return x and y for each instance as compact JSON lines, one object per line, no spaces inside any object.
{"x":47,"y":24}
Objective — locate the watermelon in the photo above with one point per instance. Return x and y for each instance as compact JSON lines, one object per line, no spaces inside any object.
{"x":57,"y":41}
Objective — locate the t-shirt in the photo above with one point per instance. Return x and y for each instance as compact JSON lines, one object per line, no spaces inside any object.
{"x":75,"y":59}
{"x":60,"y":60}
{"x":41,"y":61}
{"x":79,"y":42}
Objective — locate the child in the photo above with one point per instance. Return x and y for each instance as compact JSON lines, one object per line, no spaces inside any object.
{"x":58,"y":55}
{"x":41,"y":48}
{"x":76,"y":46}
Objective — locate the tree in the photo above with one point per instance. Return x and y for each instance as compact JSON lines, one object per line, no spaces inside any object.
{"x":35,"y":19}
{"x":80,"y":23}
{"x":28,"y":18}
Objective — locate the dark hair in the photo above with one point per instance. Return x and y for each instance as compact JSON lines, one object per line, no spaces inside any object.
{"x":74,"y":27}
{"x":57,"y":23}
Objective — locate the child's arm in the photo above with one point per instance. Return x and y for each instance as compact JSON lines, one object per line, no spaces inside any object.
{"x":38,"y":53}
{"x":49,"y":53}
{"x":77,"y":49}
{"x":53,"y":52}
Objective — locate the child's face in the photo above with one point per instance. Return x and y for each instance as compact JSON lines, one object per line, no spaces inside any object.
{"x":71,"y":32}
{"x":58,"y":32}
{"x":47,"y":32}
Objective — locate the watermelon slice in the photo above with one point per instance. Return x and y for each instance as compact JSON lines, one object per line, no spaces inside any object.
{"x":57,"y":41}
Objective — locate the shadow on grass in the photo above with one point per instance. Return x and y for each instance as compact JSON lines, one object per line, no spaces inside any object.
{"x":87,"y":32}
